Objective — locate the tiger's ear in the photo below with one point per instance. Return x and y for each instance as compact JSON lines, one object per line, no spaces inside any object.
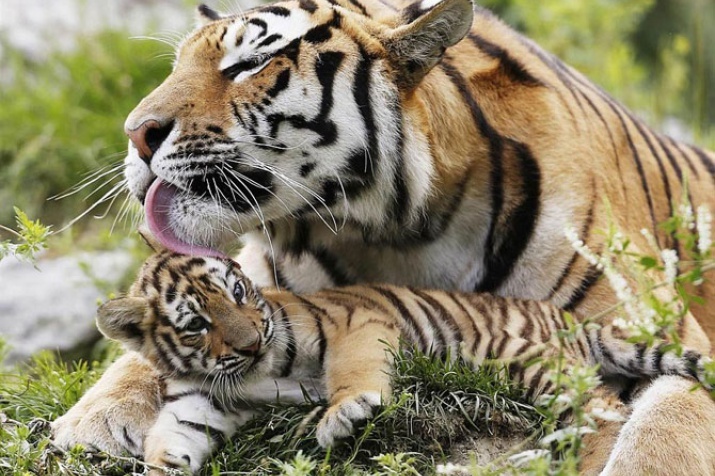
{"x":206,"y":15}
{"x":120,"y":319}
{"x":428,"y":28}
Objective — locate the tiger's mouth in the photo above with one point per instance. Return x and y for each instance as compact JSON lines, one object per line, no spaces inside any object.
{"x":160,"y":201}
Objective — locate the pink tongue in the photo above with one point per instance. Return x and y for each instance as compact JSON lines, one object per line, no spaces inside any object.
{"x":157,"y":206}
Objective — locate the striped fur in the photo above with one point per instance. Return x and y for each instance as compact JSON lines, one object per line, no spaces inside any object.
{"x":223,"y":345}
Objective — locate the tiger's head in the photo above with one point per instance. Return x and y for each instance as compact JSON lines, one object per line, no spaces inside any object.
{"x":287,"y":110}
{"x":194,"y":317}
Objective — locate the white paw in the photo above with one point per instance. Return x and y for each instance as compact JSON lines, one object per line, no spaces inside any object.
{"x":339,"y":420}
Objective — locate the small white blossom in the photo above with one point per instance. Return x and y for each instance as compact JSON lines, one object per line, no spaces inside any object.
{"x":560,"y":435}
{"x":607,"y":415}
{"x":650,"y":239}
{"x":616,"y":245}
{"x":670,"y":263}
{"x":451,"y":468}
{"x":686,"y":214}
{"x":704,"y":223}
{"x":521,"y":459}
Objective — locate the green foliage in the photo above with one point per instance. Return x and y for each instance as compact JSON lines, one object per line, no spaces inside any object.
{"x":32,"y":236}
{"x":64,"y":117}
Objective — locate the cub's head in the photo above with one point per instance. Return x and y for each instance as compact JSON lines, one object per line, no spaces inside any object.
{"x":193,"y":317}
{"x":287,"y":110}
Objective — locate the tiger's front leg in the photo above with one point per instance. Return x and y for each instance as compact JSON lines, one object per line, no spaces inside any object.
{"x":358,"y":370}
{"x":116,"y":413}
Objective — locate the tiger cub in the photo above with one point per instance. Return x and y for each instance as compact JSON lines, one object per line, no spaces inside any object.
{"x":222,"y":344}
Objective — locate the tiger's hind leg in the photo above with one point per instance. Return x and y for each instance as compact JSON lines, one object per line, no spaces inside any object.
{"x":116,"y":413}
{"x":671,"y":431}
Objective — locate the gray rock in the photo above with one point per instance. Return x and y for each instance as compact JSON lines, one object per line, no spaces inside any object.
{"x":52,"y":305}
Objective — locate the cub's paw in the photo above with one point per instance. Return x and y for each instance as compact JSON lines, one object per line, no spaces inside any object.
{"x":339,"y":420}
{"x":171,"y":460}
{"x":116,"y":413}
{"x":116,"y":427}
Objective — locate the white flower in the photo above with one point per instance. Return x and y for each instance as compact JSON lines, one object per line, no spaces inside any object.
{"x":686,"y":214}
{"x":607,"y":415}
{"x":670,"y":262}
{"x":451,"y":468}
{"x":560,"y":435}
{"x":704,"y":223}
{"x":521,"y":459}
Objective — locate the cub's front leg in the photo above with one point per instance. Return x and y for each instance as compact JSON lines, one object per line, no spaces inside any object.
{"x":116,"y":413}
{"x":190,"y":426}
{"x":358,"y":369}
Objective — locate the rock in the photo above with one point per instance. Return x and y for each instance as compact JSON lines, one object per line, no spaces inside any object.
{"x":52,"y":305}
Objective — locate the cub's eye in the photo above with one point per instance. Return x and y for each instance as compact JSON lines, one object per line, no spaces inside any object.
{"x":246,"y":65}
{"x":239,"y":292}
{"x":197,"y":324}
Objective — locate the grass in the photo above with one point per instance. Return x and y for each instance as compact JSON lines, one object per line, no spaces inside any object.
{"x":438,"y":409}
{"x":64,"y":117}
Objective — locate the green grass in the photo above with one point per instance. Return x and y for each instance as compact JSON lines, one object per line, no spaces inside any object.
{"x":438,"y":407}
{"x":63,"y":118}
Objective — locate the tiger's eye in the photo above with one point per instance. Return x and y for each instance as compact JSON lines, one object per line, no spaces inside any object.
{"x":196,"y":324}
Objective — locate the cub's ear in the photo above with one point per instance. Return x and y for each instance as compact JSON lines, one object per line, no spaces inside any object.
{"x":206,"y":15}
{"x":150,"y":240}
{"x":120,"y":319}
{"x":428,"y":28}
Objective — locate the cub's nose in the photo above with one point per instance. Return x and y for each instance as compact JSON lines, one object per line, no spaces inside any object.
{"x":148,"y":137}
{"x":251,"y":349}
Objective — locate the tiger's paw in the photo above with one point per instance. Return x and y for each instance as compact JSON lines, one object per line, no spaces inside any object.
{"x":340,"y":419}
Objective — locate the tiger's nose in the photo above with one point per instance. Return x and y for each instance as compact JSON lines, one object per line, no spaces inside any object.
{"x":148,"y":137}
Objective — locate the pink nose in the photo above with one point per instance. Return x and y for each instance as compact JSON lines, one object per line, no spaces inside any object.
{"x":148,"y":137}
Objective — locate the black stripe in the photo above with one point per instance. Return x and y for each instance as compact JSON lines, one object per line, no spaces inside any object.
{"x":291,"y":350}
{"x":639,"y":168}
{"x":281,"y":83}
{"x":516,"y":233}
{"x":471,"y":317}
{"x":579,"y":294}
{"x":276,"y":10}
{"x":686,"y":158}
{"x":260,"y":24}
{"x":439,"y":342}
{"x":318,"y":34}
{"x":359,"y":7}
{"x":271,"y":39}
{"x":332,"y":268}
{"x":322,"y":342}
{"x":217,"y":436}
{"x":692,"y":358}
{"x":509,"y":66}
{"x":443,"y":313}
{"x":308,"y":5}
{"x":659,"y":162}
{"x":583,"y":236}
{"x":707,"y":162}
{"x":361,"y":94}
{"x":407,"y":318}
{"x":212,"y":400}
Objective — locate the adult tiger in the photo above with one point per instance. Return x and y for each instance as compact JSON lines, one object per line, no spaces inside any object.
{"x":427,"y":144}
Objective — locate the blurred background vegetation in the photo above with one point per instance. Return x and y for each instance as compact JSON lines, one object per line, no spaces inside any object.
{"x":61,"y":117}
